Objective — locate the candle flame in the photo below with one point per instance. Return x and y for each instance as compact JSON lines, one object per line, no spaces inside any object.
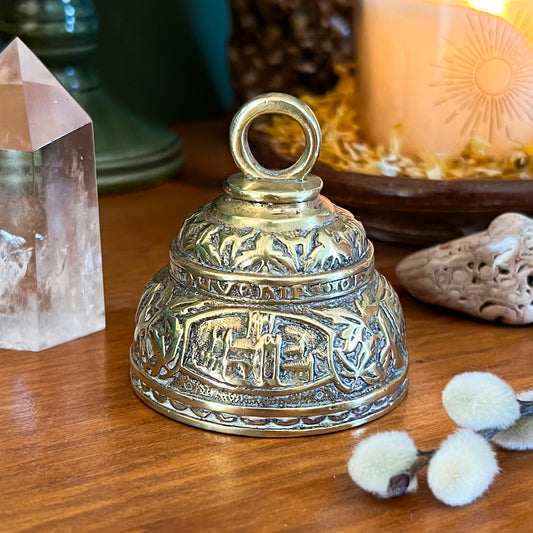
{"x":494,"y":7}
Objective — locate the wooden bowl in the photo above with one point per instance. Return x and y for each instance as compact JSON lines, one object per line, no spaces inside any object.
{"x":415,"y":211}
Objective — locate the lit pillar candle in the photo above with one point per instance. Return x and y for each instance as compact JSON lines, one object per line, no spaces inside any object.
{"x":447,"y":72}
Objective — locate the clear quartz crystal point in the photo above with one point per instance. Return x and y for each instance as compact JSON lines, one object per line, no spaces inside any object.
{"x":51,"y":285}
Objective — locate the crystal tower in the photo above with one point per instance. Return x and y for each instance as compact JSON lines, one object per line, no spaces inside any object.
{"x":51,"y":285}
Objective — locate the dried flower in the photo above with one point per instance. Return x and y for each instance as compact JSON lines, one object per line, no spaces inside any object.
{"x":382,"y":457}
{"x":344,"y":148}
{"x":462,"y":469}
{"x":520,"y":435}
{"x":480,"y":401}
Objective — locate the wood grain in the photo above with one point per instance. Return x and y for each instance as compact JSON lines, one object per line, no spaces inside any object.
{"x":79,"y":452}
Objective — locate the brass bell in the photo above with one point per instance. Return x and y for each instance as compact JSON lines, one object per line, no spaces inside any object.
{"x":270,"y":319}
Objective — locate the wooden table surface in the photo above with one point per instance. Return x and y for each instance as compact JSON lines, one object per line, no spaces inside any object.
{"x":80,"y":452}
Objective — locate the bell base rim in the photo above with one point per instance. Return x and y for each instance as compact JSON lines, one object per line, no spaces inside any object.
{"x":390,"y":401}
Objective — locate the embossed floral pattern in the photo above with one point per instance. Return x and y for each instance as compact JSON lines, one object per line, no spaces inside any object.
{"x":211,"y":243}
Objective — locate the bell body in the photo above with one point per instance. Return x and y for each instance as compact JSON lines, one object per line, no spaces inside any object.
{"x":270,"y":319}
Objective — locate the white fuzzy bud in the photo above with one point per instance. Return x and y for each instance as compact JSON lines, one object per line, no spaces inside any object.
{"x":462,"y":469}
{"x":520,"y":435}
{"x":379,"y":458}
{"x":480,"y":400}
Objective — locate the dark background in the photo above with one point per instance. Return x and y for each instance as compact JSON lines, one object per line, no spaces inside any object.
{"x":166,"y":59}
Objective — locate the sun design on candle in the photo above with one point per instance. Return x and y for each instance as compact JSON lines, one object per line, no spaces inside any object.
{"x":488,"y":77}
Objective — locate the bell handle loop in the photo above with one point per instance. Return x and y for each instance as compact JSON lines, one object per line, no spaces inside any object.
{"x":282,"y":104}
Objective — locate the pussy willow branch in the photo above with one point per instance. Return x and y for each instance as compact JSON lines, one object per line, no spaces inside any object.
{"x":398,"y":484}
{"x":526,"y":407}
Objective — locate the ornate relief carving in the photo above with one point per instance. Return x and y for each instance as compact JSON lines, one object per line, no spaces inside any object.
{"x":267,"y":351}
{"x":209,"y":352}
{"x":208,"y":241}
{"x":368,"y":338}
{"x":270,"y":317}
{"x":257,"y":425}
